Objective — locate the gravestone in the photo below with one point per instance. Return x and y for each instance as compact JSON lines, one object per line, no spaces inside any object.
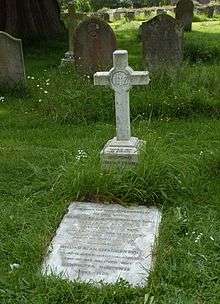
{"x":184,"y":14}
{"x":100,"y":242}
{"x":162,"y":42}
{"x":130,"y":16}
{"x":94,"y":44}
{"x":12,"y":70}
{"x":71,"y":20}
{"x":122,"y":149}
{"x":161,"y":11}
{"x":204,"y":1}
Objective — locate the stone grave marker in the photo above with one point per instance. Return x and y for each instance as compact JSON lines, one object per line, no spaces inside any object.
{"x":130,"y":16}
{"x":184,"y":14}
{"x":71,"y":20}
{"x":162,"y":42}
{"x":12,"y":70}
{"x":100,"y":242}
{"x":122,"y":149}
{"x":94,"y":44}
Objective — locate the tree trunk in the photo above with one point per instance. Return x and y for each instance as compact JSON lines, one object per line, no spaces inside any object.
{"x":30,"y":18}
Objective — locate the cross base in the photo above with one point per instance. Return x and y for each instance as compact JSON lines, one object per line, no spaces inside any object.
{"x":122,"y":152}
{"x":68,"y":59}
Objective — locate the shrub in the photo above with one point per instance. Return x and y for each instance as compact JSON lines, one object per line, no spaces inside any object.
{"x":83,"y":5}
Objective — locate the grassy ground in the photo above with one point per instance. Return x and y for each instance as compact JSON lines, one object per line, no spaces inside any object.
{"x":43,"y":132}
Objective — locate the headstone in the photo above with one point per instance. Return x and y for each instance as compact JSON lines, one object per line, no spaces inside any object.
{"x":104,"y":243}
{"x":130,"y":16}
{"x":95,"y":42}
{"x":210,"y":11}
{"x":162,"y":42}
{"x":122,"y":149}
{"x":117,"y":16}
{"x":204,"y":1}
{"x":12,"y":70}
{"x":105,"y":16}
{"x":161,"y":11}
{"x":184,"y":14}
{"x":71,"y":20}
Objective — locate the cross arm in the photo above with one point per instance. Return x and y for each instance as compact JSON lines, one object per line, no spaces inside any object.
{"x":140,"y":78}
{"x":101,"y":78}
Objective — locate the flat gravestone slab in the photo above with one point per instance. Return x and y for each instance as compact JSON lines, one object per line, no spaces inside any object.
{"x":97,"y":242}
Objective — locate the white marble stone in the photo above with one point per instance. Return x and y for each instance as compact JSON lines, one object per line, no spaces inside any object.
{"x":121,"y":78}
{"x":104,"y":243}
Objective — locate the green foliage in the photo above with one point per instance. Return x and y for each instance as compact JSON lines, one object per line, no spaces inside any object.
{"x":83,"y":5}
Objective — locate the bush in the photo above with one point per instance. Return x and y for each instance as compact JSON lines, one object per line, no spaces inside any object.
{"x":83,"y":5}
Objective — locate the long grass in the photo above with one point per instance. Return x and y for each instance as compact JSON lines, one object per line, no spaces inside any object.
{"x":51,"y":136}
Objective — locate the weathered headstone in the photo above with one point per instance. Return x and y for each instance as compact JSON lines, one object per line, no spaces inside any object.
{"x":12,"y":70}
{"x":162,"y":42}
{"x":94,"y":44}
{"x":71,"y":20}
{"x":122,"y":149}
{"x":161,"y":11}
{"x":204,"y":1}
{"x":130,"y":16}
{"x":104,"y":243}
{"x":184,"y":14}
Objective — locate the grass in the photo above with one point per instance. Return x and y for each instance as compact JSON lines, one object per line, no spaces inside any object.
{"x":41,"y":171}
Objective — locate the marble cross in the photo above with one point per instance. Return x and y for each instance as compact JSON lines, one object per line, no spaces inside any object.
{"x":121,"y":78}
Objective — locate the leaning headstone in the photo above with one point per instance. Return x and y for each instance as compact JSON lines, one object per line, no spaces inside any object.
{"x":122,"y":149}
{"x":71,"y":20}
{"x":12,"y":70}
{"x":184,"y":14}
{"x":100,"y":243}
{"x":162,"y":42}
{"x":94,"y":44}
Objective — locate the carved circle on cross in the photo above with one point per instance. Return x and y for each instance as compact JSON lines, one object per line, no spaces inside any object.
{"x":120,"y":80}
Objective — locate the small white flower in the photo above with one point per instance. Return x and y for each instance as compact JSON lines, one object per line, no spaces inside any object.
{"x":201,"y":152}
{"x":14,"y":266}
{"x":29,"y":77}
{"x":32,"y":78}
{"x":88,"y":76}
{"x":40,"y":100}
{"x":47,"y":84}
{"x":45,"y":92}
{"x":2,"y":98}
{"x":212,"y":238}
{"x":47,"y":80}
{"x":38,"y":85}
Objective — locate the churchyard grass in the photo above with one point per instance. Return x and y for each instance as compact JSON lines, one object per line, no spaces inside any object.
{"x":51,"y":136}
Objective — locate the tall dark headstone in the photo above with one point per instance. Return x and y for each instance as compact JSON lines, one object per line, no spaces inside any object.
{"x":12,"y":71}
{"x":94,"y":45}
{"x":184,"y":14}
{"x":162,"y":42}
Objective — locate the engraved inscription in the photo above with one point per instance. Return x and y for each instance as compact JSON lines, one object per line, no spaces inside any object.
{"x":104,"y":243}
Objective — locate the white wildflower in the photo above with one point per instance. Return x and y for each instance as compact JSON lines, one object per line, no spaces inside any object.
{"x":2,"y":98}
{"x":14,"y":266}
{"x":32,"y":78}
{"x":212,"y":238}
{"x":45,"y":92}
